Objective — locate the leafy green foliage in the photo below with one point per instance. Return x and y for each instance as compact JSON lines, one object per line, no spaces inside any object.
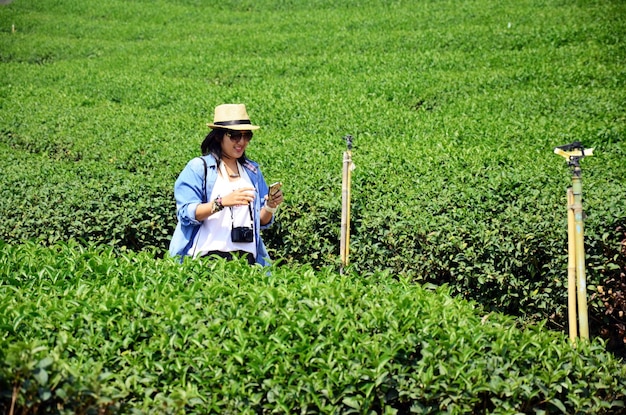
{"x":86,"y":329}
{"x":455,"y":109}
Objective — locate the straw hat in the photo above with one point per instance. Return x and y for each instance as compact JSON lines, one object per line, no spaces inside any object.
{"x":232,"y":117}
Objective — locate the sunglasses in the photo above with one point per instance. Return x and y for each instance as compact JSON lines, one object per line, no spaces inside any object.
{"x":236,"y":136}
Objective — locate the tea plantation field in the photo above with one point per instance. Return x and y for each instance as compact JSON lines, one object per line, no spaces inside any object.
{"x":458,"y":203}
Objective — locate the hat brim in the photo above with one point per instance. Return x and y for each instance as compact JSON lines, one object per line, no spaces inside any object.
{"x":236,"y":127}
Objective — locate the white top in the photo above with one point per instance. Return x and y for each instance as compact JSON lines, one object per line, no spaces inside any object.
{"x":214,"y":233}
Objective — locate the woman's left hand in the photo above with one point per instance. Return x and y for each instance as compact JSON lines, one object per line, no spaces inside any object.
{"x":275,"y":200}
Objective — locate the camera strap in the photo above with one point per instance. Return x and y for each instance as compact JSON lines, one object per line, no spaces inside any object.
{"x":232,"y":219}
{"x":225,"y":175}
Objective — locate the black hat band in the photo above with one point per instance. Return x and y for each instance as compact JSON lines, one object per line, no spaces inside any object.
{"x":235,"y":122}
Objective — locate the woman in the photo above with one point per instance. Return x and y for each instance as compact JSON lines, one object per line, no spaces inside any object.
{"x":222,"y":199}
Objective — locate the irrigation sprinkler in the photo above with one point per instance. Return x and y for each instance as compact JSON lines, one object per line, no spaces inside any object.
{"x":576,"y":279}
{"x":348,"y":166}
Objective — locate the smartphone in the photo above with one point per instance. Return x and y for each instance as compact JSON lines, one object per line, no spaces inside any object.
{"x":274,"y":188}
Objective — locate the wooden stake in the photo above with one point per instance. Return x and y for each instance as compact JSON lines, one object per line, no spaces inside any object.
{"x":348,"y":166}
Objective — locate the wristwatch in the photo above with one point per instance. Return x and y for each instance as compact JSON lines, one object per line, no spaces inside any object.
{"x":217,"y":205}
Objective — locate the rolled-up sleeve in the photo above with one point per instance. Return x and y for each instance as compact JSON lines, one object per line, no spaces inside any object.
{"x":189,"y":193}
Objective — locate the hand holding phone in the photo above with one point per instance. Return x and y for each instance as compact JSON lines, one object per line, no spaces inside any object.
{"x":274,"y":188}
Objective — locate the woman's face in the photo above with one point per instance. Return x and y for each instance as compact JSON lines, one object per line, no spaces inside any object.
{"x":234,"y":143}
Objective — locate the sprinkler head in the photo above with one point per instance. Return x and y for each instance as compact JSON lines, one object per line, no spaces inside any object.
{"x":573,"y":153}
{"x":348,"y":140}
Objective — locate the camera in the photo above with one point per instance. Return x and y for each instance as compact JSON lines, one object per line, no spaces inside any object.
{"x":242,"y":234}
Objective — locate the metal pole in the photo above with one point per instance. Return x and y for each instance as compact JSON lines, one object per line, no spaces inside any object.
{"x":345,"y":203}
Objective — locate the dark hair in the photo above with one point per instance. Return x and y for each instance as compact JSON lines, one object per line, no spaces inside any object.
{"x":212,"y":144}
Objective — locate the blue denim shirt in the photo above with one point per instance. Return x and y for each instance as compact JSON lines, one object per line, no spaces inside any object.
{"x":189,"y":194}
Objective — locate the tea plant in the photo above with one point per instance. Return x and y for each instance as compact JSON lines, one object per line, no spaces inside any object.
{"x":87,"y":330}
{"x":455,"y":109}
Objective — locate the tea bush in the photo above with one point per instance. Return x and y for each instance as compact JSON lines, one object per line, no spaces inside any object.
{"x":87,"y":330}
{"x":455,"y":109}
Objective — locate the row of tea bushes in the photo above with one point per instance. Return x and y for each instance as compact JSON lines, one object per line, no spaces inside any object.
{"x":88,"y":330}
{"x":455,"y":113}
{"x":483,"y":236}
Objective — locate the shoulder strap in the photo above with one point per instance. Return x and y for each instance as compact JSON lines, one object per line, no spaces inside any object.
{"x":204,"y":197}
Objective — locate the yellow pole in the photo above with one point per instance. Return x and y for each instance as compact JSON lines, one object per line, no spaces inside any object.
{"x":571,"y":267}
{"x":573,"y":153}
{"x":348,"y":166}
{"x":349,"y":197}
{"x":345,"y":209}
{"x":581,"y":283}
